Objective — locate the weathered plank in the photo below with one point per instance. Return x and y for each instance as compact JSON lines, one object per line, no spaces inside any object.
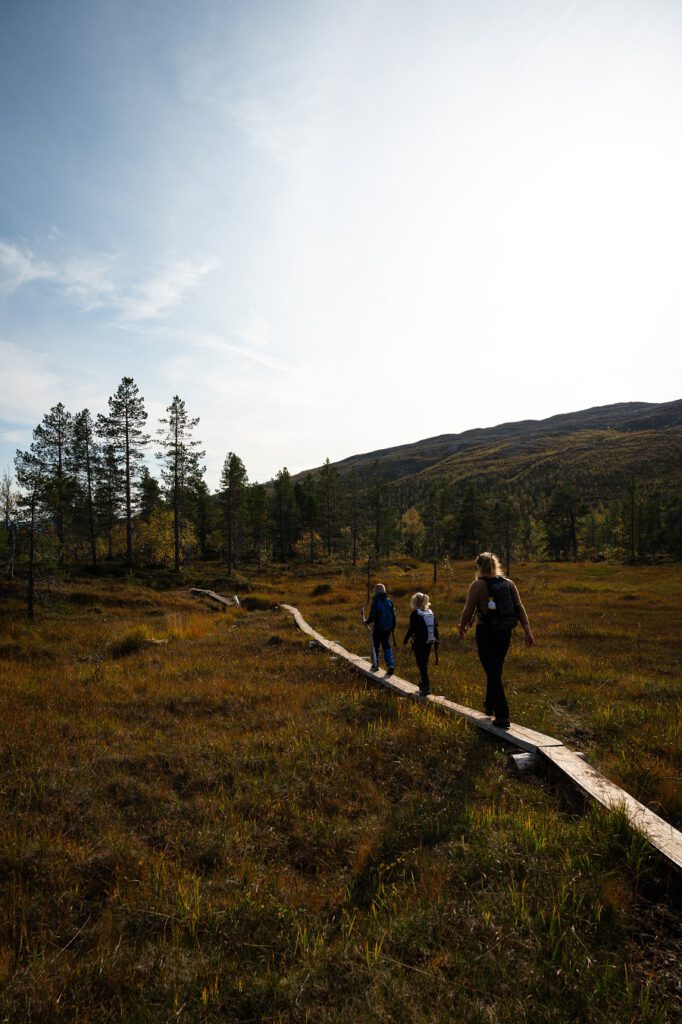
{"x":228,"y":601}
{"x":660,"y":833}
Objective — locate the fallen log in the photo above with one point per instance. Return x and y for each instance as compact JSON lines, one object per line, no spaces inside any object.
{"x":228,"y":602}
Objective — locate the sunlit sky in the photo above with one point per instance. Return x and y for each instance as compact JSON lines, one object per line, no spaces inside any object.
{"x":335,"y":226}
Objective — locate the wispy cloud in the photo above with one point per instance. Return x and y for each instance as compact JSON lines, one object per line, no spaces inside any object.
{"x":89,"y":282}
{"x":156,"y":297}
{"x":94,"y":282}
{"x":214,"y":343}
{"x":19,"y":267}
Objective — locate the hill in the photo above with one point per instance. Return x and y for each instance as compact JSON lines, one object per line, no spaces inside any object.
{"x":597,"y":446}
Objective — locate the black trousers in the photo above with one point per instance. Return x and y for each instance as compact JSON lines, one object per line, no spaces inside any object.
{"x":492,"y":650}
{"x":421,"y":654}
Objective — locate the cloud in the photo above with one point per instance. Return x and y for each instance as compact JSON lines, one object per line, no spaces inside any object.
{"x":27,"y":386}
{"x":94,"y":282}
{"x":89,"y":282}
{"x":160,"y":294}
{"x":19,"y":267}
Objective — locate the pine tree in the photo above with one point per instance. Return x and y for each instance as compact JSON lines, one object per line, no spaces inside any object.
{"x":36,"y":498}
{"x":233,"y":482}
{"x":123,"y":429}
{"x":109,"y":492}
{"x":329,"y":492}
{"x":283,"y":512}
{"x":305,"y":492}
{"x":180,"y":461}
{"x":51,"y":439}
{"x":84,"y":455}
{"x":148,"y":495}
{"x":258,"y":517}
{"x":352,"y":482}
{"x":8,"y":510}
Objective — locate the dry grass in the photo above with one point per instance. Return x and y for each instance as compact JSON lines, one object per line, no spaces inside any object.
{"x":233,"y":827}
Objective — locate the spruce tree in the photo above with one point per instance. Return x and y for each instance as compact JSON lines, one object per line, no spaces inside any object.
{"x":123,"y":429}
{"x":180,"y":462}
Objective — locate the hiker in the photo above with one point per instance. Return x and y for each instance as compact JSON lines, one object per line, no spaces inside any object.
{"x":423,"y":628}
{"x":382,"y":618}
{"x":495,"y":601}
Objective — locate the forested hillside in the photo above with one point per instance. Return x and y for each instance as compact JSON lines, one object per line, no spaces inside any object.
{"x":602,"y":483}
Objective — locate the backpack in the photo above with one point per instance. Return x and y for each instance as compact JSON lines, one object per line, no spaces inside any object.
{"x":428,"y":622}
{"x":384,"y":614}
{"x":504,"y":614}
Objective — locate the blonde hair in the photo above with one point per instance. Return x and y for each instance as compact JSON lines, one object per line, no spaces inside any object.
{"x":420,"y":601}
{"x":380,"y":589}
{"x":488,"y":564}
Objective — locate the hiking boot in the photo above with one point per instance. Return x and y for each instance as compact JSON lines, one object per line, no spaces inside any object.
{"x":390,"y":671}
{"x":489,"y":711}
{"x":423,"y":693}
{"x":374,"y":668}
{"x":501,"y":723}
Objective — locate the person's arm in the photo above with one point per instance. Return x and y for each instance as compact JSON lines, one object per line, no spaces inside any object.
{"x":469,"y":610}
{"x":435,"y":630}
{"x":523,"y":615}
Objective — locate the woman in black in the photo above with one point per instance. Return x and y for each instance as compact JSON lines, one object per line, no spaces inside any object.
{"x":423,"y":628}
{"x":494,"y":629}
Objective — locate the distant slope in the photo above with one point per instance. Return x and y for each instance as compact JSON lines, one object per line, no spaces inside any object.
{"x":596,"y":447}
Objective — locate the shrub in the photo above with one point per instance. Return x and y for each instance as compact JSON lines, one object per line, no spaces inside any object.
{"x":258,"y":603}
{"x":129,"y":643}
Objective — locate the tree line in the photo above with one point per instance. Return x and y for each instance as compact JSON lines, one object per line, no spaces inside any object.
{"x":86,"y":496}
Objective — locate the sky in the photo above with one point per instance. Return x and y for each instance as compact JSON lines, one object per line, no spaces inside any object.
{"x":336,"y":226}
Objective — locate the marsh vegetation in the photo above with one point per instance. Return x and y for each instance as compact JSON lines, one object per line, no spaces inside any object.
{"x":232,"y":826}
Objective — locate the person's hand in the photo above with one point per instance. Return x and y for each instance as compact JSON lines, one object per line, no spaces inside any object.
{"x":461,"y":631}
{"x":529,"y":638}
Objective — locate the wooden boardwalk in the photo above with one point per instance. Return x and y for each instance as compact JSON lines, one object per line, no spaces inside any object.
{"x":666,"y":839}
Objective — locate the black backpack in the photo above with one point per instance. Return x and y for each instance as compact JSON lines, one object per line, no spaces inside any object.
{"x":504,"y":614}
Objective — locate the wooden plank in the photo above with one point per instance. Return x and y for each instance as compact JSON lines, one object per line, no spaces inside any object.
{"x":230,"y":602}
{"x":660,"y":834}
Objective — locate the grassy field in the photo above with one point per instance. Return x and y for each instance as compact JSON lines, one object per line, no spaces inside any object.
{"x":231,"y":826}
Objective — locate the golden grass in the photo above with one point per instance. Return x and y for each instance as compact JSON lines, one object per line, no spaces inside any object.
{"x":232,"y":826}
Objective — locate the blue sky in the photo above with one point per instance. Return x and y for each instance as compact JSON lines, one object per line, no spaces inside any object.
{"x":333,"y":227}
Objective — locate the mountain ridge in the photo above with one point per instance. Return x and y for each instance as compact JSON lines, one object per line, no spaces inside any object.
{"x":448,"y":454}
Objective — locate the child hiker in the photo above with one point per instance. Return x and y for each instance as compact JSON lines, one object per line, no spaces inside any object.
{"x":382,"y":618}
{"x":423,"y":628}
